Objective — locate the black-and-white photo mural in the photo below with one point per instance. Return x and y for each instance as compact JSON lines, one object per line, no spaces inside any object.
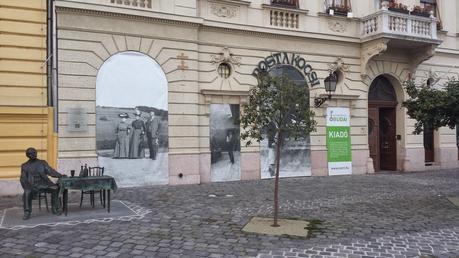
{"x":225,"y":144}
{"x":296,"y":153}
{"x":132,"y":120}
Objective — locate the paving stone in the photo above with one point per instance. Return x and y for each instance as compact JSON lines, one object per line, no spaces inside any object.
{"x":385,"y":215}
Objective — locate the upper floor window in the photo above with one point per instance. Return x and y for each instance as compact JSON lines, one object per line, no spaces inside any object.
{"x":286,"y":3}
{"x":432,"y":5}
{"x":338,"y":7}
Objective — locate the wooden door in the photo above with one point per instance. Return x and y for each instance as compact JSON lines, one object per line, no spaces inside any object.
{"x":387,"y":139}
{"x":373,"y":135}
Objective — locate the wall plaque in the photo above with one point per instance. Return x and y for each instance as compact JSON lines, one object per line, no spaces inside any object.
{"x":77,"y":120}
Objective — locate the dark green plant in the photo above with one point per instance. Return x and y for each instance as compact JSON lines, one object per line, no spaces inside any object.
{"x":280,"y":106}
{"x":433,"y":106}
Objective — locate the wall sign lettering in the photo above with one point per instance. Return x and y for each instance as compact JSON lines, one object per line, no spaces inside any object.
{"x":285,"y":58}
{"x":339,"y":151}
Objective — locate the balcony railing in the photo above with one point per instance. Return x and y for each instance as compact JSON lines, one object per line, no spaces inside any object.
{"x":284,"y":19}
{"x":133,"y":3}
{"x":285,"y":3}
{"x":398,"y":24}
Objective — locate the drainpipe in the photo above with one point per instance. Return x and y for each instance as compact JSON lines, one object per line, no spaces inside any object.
{"x":49,"y":51}
{"x":55,"y":70}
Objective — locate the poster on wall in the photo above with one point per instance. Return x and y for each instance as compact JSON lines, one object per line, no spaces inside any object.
{"x":339,"y":154}
{"x":225,"y":147}
{"x":132,"y":120}
{"x":295,"y":157}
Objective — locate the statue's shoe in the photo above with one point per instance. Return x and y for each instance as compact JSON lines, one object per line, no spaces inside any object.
{"x":57,"y":212}
{"x":26,"y":216}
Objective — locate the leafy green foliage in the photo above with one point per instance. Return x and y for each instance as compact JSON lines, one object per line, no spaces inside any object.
{"x":431,"y":106}
{"x":279,"y":104}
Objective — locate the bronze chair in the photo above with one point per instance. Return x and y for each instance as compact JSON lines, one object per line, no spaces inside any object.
{"x":40,"y":193}
{"x":93,"y":171}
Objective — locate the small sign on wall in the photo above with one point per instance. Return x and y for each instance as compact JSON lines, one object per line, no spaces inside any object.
{"x":339,"y":154}
{"x":77,"y":120}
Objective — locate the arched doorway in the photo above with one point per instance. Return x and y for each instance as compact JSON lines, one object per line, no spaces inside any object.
{"x":382,"y":102}
{"x":296,"y":154}
{"x":132,"y":120}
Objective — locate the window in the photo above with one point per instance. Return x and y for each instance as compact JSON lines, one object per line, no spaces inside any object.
{"x":432,"y":5}
{"x":338,"y":7}
{"x":285,"y":3}
{"x":224,"y":70}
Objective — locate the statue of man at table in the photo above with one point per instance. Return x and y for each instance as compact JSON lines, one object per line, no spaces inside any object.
{"x":34,"y":178}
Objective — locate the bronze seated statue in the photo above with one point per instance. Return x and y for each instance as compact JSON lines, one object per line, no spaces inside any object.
{"x":34,"y":179}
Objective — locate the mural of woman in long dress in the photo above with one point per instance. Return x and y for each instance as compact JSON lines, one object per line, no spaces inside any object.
{"x":137,"y":147}
{"x":133,"y":85}
{"x":122,"y":138}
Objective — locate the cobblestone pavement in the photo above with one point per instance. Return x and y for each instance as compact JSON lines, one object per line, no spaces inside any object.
{"x":383,"y":215}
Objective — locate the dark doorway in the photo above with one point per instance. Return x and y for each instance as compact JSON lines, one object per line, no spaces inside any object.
{"x":429,"y":152}
{"x":382,"y":102}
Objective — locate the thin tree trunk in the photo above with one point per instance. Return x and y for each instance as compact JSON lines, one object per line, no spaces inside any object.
{"x":276,"y":182}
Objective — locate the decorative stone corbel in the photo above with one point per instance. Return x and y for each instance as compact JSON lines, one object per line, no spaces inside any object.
{"x":369,"y":50}
{"x":338,"y":65}
{"x":420,"y":56}
{"x":225,"y":56}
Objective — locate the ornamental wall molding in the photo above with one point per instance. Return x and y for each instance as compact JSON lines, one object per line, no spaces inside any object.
{"x":336,"y":26}
{"x":224,"y":10}
{"x":197,"y":24}
{"x":225,"y":57}
{"x":339,"y":65}
{"x":433,"y":76}
{"x":135,"y":17}
{"x":369,"y":50}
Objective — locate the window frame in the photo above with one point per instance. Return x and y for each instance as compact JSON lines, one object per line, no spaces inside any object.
{"x":286,"y":3}
{"x":339,"y":9}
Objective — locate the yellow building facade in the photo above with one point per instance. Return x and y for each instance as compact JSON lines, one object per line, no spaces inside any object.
{"x":26,"y":120}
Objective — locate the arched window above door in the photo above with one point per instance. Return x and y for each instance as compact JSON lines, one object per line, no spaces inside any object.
{"x":382,"y":90}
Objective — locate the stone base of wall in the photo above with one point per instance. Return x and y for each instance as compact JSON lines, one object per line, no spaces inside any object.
{"x":446,"y":158}
{"x":250,"y":166}
{"x":184,"y":169}
{"x":10,"y":187}
{"x":319,"y":163}
{"x":204,"y":168}
{"x":65,"y":165}
{"x":414,"y":160}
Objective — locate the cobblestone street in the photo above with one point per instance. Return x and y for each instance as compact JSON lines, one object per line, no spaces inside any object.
{"x":383,"y":215}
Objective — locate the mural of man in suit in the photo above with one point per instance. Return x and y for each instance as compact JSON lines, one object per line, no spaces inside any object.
{"x":231,"y":144}
{"x":152,"y":128}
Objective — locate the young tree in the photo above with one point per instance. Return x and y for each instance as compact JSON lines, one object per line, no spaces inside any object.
{"x":280,"y":105}
{"x":433,"y":107}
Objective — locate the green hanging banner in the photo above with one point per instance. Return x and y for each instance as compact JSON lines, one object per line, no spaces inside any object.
{"x":339,"y":154}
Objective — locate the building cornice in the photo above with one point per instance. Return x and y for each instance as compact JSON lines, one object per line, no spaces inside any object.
{"x":127,"y":14}
{"x":200,"y":23}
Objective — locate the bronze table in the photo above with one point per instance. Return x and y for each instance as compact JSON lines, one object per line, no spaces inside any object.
{"x":90,"y":183}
